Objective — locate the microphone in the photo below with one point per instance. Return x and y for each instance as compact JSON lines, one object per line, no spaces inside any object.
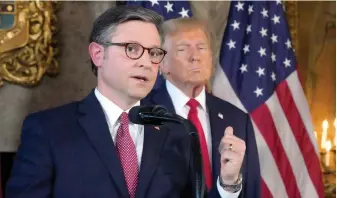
{"x":153,"y":115}
{"x":134,"y":113}
{"x":158,"y":115}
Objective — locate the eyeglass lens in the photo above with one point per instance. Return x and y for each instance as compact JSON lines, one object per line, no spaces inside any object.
{"x":135,"y":51}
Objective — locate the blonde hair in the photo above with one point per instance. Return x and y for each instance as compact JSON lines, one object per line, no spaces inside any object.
{"x":175,"y":26}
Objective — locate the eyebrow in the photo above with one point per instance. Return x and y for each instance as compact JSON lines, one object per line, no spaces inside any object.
{"x":132,"y":41}
{"x":186,"y":45}
{"x":182,"y":44}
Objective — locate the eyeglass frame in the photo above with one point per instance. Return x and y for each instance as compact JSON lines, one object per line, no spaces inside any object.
{"x":125,"y":44}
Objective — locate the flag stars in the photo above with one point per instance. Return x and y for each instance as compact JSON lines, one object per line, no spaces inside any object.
{"x":263,"y":32}
{"x":246,"y":49}
{"x":169,"y":7}
{"x":273,"y":38}
{"x":288,"y":44}
{"x":286,"y":63}
{"x":235,"y":25}
{"x":262,"y":51}
{"x":250,"y":9}
{"x":278,"y":2}
{"x":154,"y":2}
{"x":260,"y":72}
{"x":184,"y":13}
{"x":273,"y":57}
{"x":264,"y":13}
{"x":231,"y":44}
{"x":258,"y":92}
{"x":273,"y":76}
{"x":249,"y":28}
{"x":239,"y":6}
{"x":276,"y":19}
{"x":243,"y":68}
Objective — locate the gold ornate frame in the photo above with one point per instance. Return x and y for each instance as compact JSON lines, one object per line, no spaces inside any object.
{"x":28,"y":49}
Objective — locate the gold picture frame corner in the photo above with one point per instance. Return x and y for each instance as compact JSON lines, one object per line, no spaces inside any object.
{"x":28,"y":43}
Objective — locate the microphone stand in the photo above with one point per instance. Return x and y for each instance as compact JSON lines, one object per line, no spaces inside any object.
{"x":196,"y":157}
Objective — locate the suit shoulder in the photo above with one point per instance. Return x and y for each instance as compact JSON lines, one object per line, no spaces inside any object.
{"x":148,"y":99}
{"x":54,"y":114}
{"x":228,"y":107}
{"x":152,"y":93}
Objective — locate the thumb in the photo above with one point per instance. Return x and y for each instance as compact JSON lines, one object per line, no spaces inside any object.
{"x":229,"y":131}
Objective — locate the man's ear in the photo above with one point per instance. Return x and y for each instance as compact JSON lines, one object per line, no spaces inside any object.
{"x":96,"y":52}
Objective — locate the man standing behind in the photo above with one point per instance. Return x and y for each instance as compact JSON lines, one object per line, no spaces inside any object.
{"x":187,"y":68}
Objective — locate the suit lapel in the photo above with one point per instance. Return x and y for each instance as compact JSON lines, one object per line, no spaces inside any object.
{"x":154,"y":139}
{"x":93,"y":121}
{"x":218,"y":121}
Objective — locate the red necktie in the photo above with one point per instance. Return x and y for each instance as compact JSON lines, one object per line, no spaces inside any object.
{"x":193,"y":117}
{"x":126,"y":150}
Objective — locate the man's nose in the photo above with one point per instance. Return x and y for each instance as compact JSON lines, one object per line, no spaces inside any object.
{"x":145,"y":60}
{"x":194,"y":55}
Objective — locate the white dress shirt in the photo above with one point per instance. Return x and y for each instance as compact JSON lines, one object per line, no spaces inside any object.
{"x":179,"y":100}
{"x":112,"y":113}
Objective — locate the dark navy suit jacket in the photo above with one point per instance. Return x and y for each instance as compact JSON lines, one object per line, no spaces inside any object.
{"x":68,"y":152}
{"x":221,"y":115}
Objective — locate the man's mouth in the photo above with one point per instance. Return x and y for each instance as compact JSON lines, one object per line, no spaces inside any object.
{"x":140,"y":78}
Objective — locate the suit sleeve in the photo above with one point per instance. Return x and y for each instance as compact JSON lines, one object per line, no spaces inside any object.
{"x":32,"y":172}
{"x":252,"y":176}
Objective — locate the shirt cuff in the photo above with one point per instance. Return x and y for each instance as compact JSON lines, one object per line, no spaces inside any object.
{"x":225,"y":194}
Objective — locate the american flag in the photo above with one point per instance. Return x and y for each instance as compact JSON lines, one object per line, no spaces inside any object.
{"x":258,"y":73}
{"x":169,"y":10}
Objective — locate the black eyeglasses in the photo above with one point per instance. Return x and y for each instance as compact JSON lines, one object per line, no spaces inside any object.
{"x":135,"y":51}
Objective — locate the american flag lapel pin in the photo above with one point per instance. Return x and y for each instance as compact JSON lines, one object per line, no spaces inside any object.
{"x":220,"y":115}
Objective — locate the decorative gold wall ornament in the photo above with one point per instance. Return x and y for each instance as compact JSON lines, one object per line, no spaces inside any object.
{"x":27,"y":45}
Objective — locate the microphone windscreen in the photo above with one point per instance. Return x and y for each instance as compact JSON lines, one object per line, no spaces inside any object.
{"x":134,"y":113}
{"x":159,"y":110}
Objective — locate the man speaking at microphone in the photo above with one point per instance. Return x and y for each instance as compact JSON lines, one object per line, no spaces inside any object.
{"x":89,"y":148}
{"x":187,"y":68}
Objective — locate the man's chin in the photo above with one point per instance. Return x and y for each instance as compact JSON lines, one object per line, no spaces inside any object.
{"x":197,"y":82}
{"x":139,"y":94}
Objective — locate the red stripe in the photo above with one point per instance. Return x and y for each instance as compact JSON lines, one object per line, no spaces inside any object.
{"x":301,"y":135}
{"x":265,"y":192}
{"x":265,"y":124}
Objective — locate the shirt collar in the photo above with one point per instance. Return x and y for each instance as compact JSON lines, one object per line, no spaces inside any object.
{"x":180,"y":99}
{"x":111,"y":110}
